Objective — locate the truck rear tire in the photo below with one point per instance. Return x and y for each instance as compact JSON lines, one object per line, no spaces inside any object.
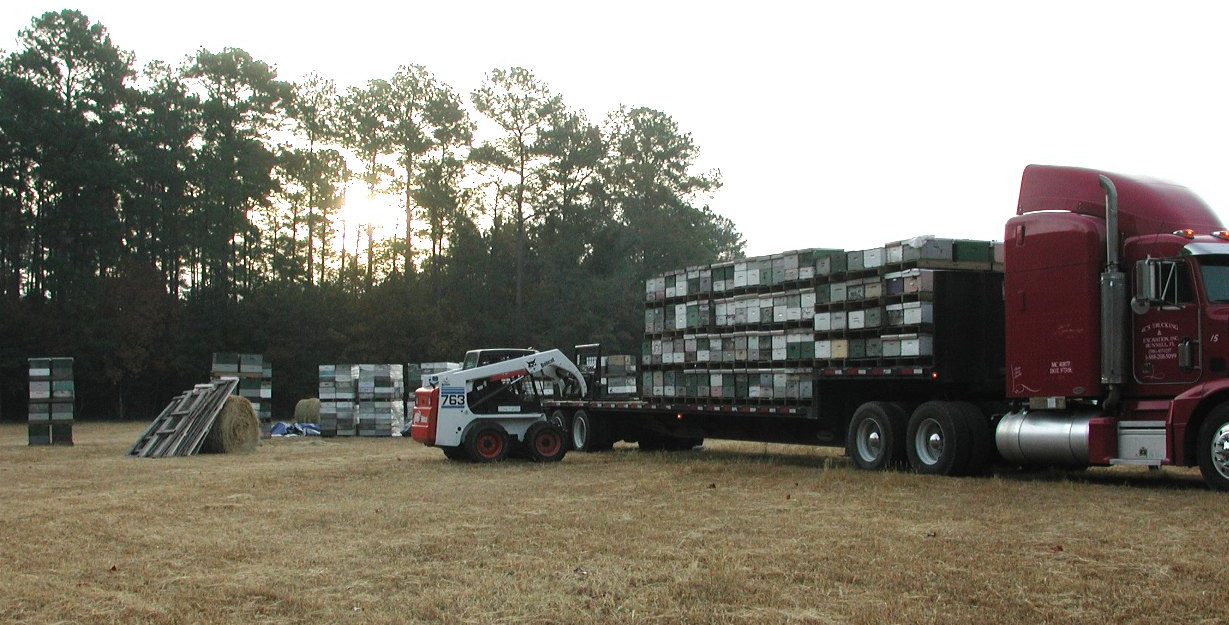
{"x":546,"y":442}
{"x":487,"y":442}
{"x":876,"y":437}
{"x":590,"y":432}
{"x":1213,"y":452}
{"x":938,"y":441}
{"x":981,"y":440}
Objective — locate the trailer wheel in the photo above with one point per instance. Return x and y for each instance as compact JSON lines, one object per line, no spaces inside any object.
{"x":938,"y":439}
{"x":487,"y":443}
{"x":1214,"y":448}
{"x":589,"y":432}
{"x":560,"y":419}
{"x":981,"y":441}
{"x":877,"y":435}
{"x":546,"y":442}
{"x":455,"y":453}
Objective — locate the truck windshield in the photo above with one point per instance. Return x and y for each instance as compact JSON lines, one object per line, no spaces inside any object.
{"x":1215,"y":273}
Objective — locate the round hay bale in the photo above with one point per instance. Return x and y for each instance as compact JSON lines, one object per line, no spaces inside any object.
{"x":236,"y":429}
{"x":307,"y":411}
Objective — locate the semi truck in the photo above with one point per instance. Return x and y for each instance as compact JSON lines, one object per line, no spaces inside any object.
{"x":1097,"y":334}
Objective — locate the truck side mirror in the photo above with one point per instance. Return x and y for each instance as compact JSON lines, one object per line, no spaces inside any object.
{"x":1147,"y":285}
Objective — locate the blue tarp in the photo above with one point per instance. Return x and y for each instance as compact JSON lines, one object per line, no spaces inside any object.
{"x":281,"y":428}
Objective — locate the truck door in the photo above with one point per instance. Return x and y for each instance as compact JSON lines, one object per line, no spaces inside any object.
{"x":1167,"y":333}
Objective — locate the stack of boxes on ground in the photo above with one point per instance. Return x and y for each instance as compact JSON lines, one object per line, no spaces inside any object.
{"x":255,"y":382}
{"x":52,"y":397}
{"x":381,"y":400}
{"x":417,"y":376}
{"x":338,"y":391}
{"x":618,"y":375}
{"x":362,"y":400}
{"x":757,"y":329}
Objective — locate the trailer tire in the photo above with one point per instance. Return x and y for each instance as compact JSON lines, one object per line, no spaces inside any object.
{"x":937,"y":439}
{"x":590,"y":432}
{"x":487,"y":442}
{"x":876,"y":437}
{"x":560,"y":419}
{"x":546,"y":442}
{"x":457,"y":454}
{"x":1213,"y":451}
{"x":981,"y":441}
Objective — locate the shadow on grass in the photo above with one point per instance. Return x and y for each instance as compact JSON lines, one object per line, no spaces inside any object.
{"x":1164,"y":479}
{"x":1155,"y":479}
{"x":704,"y":455}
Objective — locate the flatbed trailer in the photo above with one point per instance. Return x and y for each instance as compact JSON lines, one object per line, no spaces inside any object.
{"x":965,"y":362}
{"x":596,"y":424}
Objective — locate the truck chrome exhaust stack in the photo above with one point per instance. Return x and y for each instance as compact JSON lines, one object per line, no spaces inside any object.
{"x":1113,"y":304}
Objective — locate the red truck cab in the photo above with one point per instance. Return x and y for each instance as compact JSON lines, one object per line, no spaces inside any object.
{"x":1116,"y":294}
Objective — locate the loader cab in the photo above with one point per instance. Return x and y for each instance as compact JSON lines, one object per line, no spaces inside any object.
{"x":502,"y":394}
{"x":482,"y":357}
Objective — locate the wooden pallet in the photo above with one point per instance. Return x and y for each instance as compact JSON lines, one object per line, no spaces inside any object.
{"x":181,"y":427}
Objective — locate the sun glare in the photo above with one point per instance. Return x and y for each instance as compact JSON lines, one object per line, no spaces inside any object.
{"x":361,"y":210}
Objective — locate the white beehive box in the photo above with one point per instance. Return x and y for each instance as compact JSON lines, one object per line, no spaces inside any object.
{"x":857,"y":319}
{"x":917,"y":312}
{"x":823,"y":321}
{"x":872,"y":258}
{"x":823,"y":349}
{"x":916,"y":345}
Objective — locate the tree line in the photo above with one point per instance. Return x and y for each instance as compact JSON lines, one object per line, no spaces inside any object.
{"x":151,"y":216}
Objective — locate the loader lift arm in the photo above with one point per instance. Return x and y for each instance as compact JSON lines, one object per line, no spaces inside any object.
{"x":485,"y":382}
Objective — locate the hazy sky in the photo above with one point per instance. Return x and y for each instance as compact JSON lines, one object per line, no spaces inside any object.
{"x":834,"y":124}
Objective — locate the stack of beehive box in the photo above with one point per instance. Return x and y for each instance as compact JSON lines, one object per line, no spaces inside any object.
{"x":617,"y":377}
{"x":428,"y":369}
{"x":381,"y":400}
{"x":413,"y":378}
{"x":757,"y":328}
{"x":52,"y":397}
{"x":255,"y":382}
{"x":337,"y":395}
{"x":877,"y":305}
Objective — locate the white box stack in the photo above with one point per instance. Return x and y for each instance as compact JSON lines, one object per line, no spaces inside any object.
{"x":769,"y":323}
{"x":381,"y":399}
{"x":338,"y":392}
{"x":52,"y":401}
{"x":255,"y":382}
{"x":619,"y":377}
{"x":428,"y":369}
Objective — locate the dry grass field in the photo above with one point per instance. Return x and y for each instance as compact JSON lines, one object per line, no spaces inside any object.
{"x":388,"y":531}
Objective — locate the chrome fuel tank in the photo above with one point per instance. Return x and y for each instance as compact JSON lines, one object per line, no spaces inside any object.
{"x":1050,"y":437}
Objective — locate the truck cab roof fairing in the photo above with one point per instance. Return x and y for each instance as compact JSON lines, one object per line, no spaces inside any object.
{"x":1145,"y":205}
